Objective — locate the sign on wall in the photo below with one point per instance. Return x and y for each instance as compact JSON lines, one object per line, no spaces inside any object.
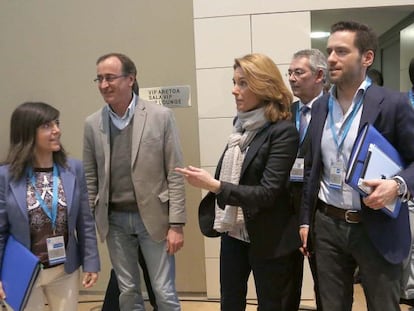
{"x":169,"y":96}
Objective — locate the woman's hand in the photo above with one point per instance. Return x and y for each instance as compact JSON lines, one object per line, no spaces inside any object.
{"x":199,"y":178}
{"x":89,"y":279}
{"x":2,"y":293}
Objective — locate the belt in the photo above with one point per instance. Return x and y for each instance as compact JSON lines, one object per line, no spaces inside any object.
{"x":349,"y":216}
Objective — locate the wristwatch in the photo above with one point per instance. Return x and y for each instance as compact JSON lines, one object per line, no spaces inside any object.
{"x":402,"y":187}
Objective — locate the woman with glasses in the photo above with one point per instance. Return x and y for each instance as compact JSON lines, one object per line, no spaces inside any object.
{"x":253,"y":213}
{"x":43,"y":203}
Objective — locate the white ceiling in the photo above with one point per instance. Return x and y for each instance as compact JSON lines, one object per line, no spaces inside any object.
{"x":380,"y":19}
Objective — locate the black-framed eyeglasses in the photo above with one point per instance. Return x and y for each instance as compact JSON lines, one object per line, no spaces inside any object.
{"x":297,"y":73}
{"x":109,"y":78}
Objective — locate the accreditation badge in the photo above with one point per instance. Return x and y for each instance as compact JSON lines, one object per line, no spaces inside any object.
{"x":297,"y":171}
{"x":335,"y":175}
{"x":56,"y":250}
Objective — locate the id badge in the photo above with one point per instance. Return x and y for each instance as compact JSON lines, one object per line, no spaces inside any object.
{"x":335,"y":176}
{"x":56,"y":250}
{"x":296,"y":174}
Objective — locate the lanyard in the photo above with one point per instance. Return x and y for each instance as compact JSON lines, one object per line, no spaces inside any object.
{"x":298,"y":125}
{"x":411,"y":96}
{"x":51,"y":213}
{"x":339,"y":141}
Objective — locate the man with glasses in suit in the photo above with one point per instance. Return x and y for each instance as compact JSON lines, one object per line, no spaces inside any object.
{"x":307,"y":77}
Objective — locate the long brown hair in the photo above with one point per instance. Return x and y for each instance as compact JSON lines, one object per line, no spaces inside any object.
{"x":25,"y":121}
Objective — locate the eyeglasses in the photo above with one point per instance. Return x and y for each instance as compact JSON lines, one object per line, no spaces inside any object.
{"x":297,"y":73}
{"x":109,"y":79}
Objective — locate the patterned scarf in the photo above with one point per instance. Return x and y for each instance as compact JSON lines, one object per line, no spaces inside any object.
{"x":245,"y":128}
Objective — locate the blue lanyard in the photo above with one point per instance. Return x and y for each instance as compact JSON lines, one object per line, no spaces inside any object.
{"x":51,"y":213}
{"x":298,"y":125}
{"x":339,"y":141}
{"x":411,"y":96}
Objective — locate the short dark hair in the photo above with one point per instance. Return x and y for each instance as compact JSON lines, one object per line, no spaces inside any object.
{"x":25,"y":121}
{"x":365,"y":38}
{"x":411,"y":71}
{"x":376,"y":76}
{"x":128,"y":67}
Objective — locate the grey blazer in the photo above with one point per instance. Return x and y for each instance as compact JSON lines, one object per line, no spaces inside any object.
{"x":155,"y":152}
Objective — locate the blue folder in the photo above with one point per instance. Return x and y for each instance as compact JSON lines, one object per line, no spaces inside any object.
{"x":373,"y":157}
{"x":19,"y":271}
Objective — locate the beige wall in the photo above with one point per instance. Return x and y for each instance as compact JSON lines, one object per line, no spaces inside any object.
{"x":48,"y":53}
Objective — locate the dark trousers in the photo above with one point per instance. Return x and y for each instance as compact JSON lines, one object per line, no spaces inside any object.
{"x":312,"y":266}
{"x":292,"y":292}
{"x":339,"y":248}
{"x":270,"y":276}
{"x":111,"y":300}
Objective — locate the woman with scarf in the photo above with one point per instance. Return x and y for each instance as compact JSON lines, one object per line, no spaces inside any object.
{"x":253,"y":213}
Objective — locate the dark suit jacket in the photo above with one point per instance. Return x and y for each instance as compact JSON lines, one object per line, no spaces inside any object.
{"x":82,"y":245}
{"x":296,"y":188}
{"x":389,"y":113}
{"x":262,"y":193}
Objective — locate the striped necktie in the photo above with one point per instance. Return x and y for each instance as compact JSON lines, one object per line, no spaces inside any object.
{"x":303,"y":121}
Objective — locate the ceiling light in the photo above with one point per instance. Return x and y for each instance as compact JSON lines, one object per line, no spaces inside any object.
{"x":319,"y":34}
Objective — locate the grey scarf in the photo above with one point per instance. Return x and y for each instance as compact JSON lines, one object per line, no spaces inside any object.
{"x":245,"y":128}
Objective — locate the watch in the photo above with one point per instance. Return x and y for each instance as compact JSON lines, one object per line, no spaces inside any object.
{"x":402,"y":187}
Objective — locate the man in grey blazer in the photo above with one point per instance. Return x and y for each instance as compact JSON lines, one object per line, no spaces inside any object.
{"x":131,"y":147}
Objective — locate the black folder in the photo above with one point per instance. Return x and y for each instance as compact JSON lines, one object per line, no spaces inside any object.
{"x":373,"y":157}
{"x":19,"y":272}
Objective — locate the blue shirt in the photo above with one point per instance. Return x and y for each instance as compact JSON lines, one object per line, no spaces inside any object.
{"x":122,"y":122}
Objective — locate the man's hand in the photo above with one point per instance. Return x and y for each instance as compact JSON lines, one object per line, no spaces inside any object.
{"x":385,"y":191}
{"x":175,"y":239}
{"x":303,"y":232}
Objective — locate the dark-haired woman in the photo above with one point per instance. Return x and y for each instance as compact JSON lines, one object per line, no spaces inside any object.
{"x":44,"y":200}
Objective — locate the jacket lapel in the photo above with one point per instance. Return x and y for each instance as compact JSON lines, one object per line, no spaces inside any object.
{"x":319,"y":115}
{"x":68,"y":182}
{"x":105,"y":138}
{"x":257,"y":141}
{"x":19,"y":189}
{"x":370,"y":111}
{"x":140,"y":117}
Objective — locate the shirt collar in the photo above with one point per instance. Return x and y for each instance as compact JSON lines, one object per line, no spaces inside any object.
{"x":309,"y":104}
{"x":123,"y":121}
{"x":361,"y":89}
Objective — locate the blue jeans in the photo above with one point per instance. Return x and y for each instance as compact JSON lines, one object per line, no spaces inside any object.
{"x":126,"y":234}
